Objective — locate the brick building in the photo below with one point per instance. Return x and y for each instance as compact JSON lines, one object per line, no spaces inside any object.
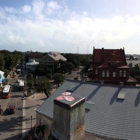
{"x":109,"y":66}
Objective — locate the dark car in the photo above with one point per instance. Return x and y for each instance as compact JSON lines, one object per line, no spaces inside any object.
{"x":11,"y":109}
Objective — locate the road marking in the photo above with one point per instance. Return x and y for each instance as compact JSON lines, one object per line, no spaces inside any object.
{"x":23,"y":120}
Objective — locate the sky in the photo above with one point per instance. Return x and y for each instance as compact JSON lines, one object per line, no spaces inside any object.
{"x":70,"y":26}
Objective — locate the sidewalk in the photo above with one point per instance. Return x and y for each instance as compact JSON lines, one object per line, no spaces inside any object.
{"x":29,"y":114}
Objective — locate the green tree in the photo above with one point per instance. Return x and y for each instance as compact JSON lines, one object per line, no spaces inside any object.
{"x":29,"y":76}
{"x":2,"y":62}
{"x":30,"y":83}
{"x":41,"y":129}
{"x":44,"y":86}
{"x":43,"y":70}
{"x":58,"y":79}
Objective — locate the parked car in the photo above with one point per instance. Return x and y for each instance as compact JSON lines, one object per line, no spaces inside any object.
{"x":11,"y":109}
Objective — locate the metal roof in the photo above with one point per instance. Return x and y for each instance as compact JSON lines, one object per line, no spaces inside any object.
{"x":108,"y":116}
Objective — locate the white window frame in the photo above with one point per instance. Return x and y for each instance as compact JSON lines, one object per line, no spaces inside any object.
{"x":114,"y":74}
{"x":96,"y":71}
{"x":103,"y":73}
{"x":107,"y":73}
{"x":124,"y":73}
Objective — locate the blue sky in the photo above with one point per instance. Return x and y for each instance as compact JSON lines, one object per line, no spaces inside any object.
{"x":69,"y":26}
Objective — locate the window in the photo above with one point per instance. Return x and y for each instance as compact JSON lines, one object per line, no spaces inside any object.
{"x":96,"y":71}
{"x":113,"y":64}
{"x":103,"y":73}
{"x":120,"y":73}
{"x":124,"y":73}
{"x":114,"y":74}
{"x":107,"y":73}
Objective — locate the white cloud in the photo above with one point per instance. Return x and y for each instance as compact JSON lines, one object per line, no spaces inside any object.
{"x":26,"y":9}
{"x":10,"y":10}
{"x":38,"y":6}
{"x":42,"y":32}
{"x":52,"y":6}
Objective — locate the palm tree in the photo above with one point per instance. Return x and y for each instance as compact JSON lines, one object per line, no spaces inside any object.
{"x":44,"y":86}
{"x":58,"y":79}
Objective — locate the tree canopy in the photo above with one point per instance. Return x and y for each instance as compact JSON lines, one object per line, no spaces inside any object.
{"x":58,"y":79}
{"x":44,"y":86}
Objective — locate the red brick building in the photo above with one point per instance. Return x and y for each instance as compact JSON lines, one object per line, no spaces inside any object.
{"x":109,"y":66}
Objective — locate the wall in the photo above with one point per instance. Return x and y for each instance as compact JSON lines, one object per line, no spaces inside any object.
{"x":46,"y":121}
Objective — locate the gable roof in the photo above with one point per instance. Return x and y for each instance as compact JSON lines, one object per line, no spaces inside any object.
{"x":32,"y":62}
{"x":56,"y":56}
{"x":106,"y":56}
{"x":108,"y":116}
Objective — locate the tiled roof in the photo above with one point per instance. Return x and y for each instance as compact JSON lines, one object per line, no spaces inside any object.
{"x":56,"y":56}
{"x":108,"y":116}
{"x":105,"y":56}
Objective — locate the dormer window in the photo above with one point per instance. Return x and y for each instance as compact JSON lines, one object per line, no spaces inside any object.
{"x":113,"y":64}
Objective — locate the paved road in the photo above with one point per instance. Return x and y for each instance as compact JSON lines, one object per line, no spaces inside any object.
{"x":11,"y":125}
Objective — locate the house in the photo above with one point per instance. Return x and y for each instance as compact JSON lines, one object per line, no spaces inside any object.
{"x":31,"y":65}
{"x":52,"y":57}
{"x":111,"y":111}
{"x":109,"y":66}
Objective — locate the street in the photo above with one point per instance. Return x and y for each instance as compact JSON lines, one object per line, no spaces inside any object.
{"x":11,"y":125}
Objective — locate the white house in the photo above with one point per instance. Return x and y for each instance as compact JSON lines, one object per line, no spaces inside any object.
{"x":31,"y":65}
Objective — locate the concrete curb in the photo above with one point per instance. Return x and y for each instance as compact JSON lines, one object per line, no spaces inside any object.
{"x":32,"y":96}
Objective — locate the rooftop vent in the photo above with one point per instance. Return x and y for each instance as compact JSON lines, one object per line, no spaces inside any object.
{"x":88,"y":105}
{"x":121,"y":95}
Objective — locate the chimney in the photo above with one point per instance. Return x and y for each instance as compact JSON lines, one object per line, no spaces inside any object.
{"x":102,"y":54}
{"x":68,"y":115}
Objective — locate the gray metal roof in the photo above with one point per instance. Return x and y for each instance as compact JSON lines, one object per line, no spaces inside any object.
{"x":108,"y":116}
